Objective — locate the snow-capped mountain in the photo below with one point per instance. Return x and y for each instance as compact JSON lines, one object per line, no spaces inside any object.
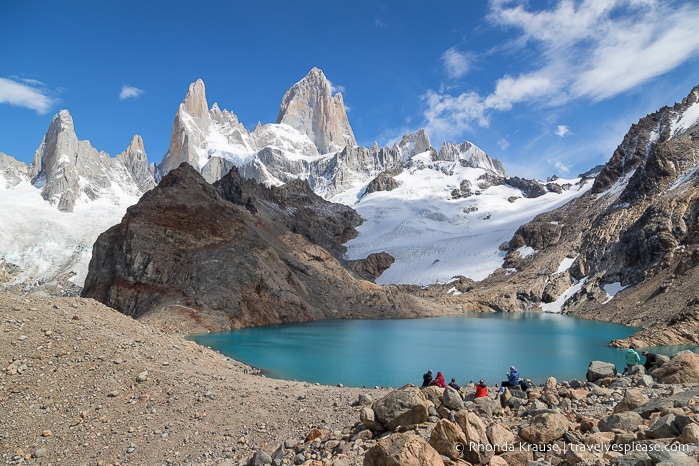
{"x":70,"y":171}
{"x":628,"y":249}
{"x":441,"y":213}
{"x":53,"y":209}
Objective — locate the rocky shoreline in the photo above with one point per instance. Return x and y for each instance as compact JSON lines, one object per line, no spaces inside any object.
{"x":83,"y":384}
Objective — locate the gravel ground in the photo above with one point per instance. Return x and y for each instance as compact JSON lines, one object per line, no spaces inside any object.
{"x":81,"y":383}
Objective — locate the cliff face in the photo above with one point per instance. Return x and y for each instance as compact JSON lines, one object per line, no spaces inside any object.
{"x":230,"y":256}
{"x":627,"y":251}
{"x":311,"y":108}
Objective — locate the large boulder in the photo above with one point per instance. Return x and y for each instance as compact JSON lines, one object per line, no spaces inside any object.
{"x":452,"y":399}
{"x":598,"y":370}
{"x":478,"y":448}
{"x":402,"y":449}
{"x":500,"y":437}
{"x":368,"y":418}
{"x":545,"y":428}
{"x":434,"y":394}
{"x":663,"y":427}
{"x":677,"y":400}
{"x":448,"y":439}
{"x":627,"y":420}
{"x":404,"y":406}
{"x":633,"y":398}
{"x":682,"y":368}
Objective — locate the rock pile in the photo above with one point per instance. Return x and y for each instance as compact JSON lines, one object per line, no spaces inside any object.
{"x":608,"y":419}
{"x":638,"y":419}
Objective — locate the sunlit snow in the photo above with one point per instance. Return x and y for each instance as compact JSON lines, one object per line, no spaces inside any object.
{"x":434,"y":237}
{"x":612,"y":289}
{"x":558,"y":304}
{"x":565,"y":264}
{"x":45,"y":242}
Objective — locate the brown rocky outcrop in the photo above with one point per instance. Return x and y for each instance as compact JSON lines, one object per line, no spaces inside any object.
{"x":188,"y":259}
{"x":371,"y":267}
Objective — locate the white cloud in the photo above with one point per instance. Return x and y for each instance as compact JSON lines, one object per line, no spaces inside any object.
{"x":561,"y":167}
{"x":130,"y":92}
{"x":577,"y":49}
{"x":509,"y":91}
{"x":503,"y":144}
{"x":456,"y":63}
{"x":335,"y":89}
{"x":562,"y":130}
{"x":448,"y":116}
{"x":29,"y":94}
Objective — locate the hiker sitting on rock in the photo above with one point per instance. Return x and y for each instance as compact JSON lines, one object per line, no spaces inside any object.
{"x":454,"y":385}
{"x":632,"y":359}
{"x":439,"y":381}
{"x":481,"y":389}
{"x":512,"y":378}
{"x":427,"y":378}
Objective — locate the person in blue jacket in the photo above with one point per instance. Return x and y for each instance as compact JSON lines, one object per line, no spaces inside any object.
{"x":512,"y":378}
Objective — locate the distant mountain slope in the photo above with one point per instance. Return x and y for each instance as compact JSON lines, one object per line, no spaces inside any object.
{"x":444,"y":218}
{"x":628,"y":250}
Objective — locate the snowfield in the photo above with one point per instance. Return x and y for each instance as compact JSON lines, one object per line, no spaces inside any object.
{"x":434,"y":237}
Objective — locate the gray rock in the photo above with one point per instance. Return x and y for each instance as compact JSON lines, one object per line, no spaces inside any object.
{"x":259,"y":458}
{"x":663,"y":427}
{"x":627,"y":420}
{"x":634,"y":458}
{"x":597,"y":370}
{"x":680,"y":399}
{"x":404,"y":406}
{"x":452,"y":399}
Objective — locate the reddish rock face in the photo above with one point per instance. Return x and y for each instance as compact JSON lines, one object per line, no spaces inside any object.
{"x":195,"y":257}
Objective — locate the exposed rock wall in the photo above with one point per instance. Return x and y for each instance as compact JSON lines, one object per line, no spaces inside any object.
{"x":311,"y":108}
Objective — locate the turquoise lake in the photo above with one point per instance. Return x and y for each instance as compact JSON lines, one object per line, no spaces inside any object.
{"x":392,"y":353}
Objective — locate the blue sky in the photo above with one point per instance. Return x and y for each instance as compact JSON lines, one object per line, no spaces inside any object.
{"x":546,"y":87}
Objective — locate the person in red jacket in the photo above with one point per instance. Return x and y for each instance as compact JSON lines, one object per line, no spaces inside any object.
{"x":439,"y":381}
{"x":481,"y":389}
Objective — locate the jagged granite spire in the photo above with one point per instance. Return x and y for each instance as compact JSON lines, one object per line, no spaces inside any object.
{"x":191,"y":130}
{"x":67,"y":169}
{"x":136,"y":162}
{"x":310,"y":107}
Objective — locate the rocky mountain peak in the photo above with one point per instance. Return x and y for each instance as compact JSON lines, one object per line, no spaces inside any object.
{"x":311,"y":108}
{"x":470,"y":155}
{"x":67,"y":169}
{"x":195,"y":101}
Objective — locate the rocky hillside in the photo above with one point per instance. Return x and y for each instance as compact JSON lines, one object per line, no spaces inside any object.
{"x":193,"y":257}
{"x":627,"y":251}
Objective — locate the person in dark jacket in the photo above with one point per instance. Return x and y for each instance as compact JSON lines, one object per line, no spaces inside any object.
{"x":651,"y":359}
{"x":454,"y":385}
{"x":427,"y":378}
{"x":439,"y":381}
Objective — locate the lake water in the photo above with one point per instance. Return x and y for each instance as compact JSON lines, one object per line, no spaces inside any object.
{"x":395,"y":352}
